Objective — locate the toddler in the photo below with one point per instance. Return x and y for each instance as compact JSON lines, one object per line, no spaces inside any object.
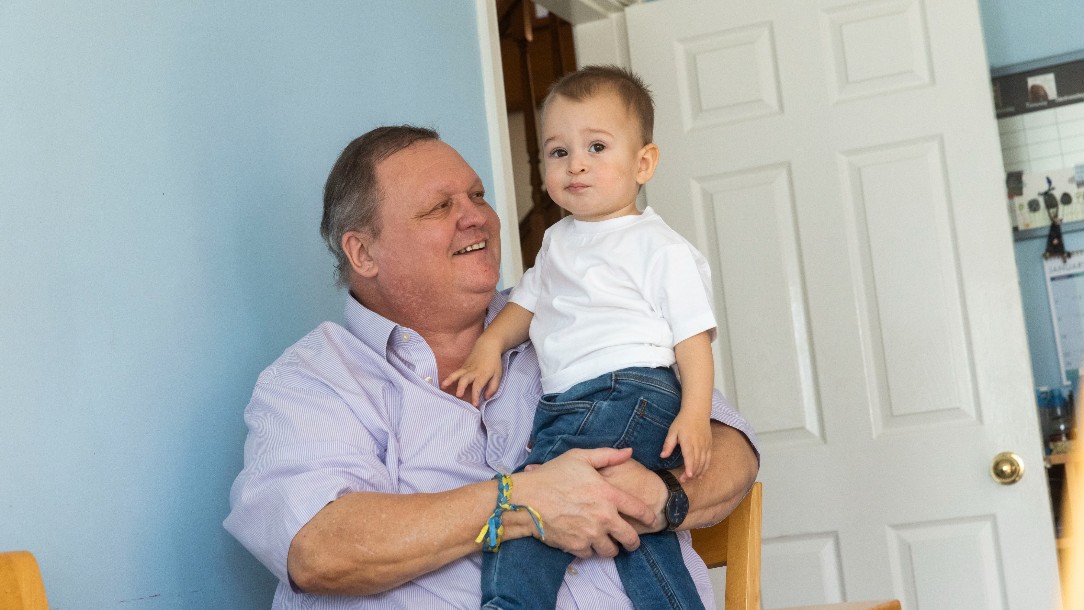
{"x":615,"y":298}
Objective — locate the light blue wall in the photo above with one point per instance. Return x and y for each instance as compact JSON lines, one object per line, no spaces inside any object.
{"x":1021,"y":31}
{"x":1029,"y":265}
{"x":161,"y":167}
{"x":1027,"y":33}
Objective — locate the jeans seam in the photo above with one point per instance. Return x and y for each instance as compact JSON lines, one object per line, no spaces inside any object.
{"x":631,"y":427}
{"x":660,"y":578}
{"x":586,"y":418}
{"x":625,"y":375}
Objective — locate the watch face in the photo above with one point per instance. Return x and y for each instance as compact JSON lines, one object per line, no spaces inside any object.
{"x":677,"y":503}
{"x":677,"y":508}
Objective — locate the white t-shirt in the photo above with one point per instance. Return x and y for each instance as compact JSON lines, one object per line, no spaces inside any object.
{"x":613,"y":294}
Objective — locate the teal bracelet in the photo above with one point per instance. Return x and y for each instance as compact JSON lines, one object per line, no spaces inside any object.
{"x":494,"y":527}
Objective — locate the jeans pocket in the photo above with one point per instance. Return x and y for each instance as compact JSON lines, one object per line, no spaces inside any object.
{"x":562,"y":417}
{"x":645,"y":432}
{"x":555,"y":423}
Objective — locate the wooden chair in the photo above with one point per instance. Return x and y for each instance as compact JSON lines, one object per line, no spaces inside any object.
{"x":21,"y":587}
{"x":734,"y":542}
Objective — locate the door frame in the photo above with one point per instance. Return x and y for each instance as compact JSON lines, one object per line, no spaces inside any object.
{"x":600,"y":37}
{"x":502,"y":196}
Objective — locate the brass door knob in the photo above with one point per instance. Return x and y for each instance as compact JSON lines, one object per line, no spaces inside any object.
{"x":1007,"y":468}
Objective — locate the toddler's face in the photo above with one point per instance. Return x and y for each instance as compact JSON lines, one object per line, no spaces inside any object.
{"x":593,"y":157}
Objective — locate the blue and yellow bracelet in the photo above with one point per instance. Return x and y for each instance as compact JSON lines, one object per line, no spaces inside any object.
{"x":493,"y":525}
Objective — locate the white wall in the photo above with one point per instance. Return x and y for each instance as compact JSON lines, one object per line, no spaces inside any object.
{"x":162,"y":167}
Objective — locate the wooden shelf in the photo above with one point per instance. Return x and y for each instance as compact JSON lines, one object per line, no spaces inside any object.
{"x":1056,"y":458}
{"x":1066,"y":540}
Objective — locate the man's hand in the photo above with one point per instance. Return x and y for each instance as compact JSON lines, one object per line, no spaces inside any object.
{"x":711,"y":496}
{"x":632,"y":477}
{"x":584,"y":513}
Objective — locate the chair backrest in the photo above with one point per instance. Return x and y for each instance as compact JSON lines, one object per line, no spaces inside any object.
{"x":734,"y":542}
{"x":21,"y":587}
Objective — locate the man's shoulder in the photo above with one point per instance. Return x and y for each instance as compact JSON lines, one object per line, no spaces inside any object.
{"x":324,"y":355}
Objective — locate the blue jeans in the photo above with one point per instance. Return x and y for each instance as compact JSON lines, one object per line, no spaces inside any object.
{"x":632,"y":407}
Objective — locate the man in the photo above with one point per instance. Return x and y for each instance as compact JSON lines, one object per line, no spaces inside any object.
{"x":364,"y":484}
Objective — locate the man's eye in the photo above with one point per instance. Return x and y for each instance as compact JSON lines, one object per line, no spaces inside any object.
{"x":597,"y":147}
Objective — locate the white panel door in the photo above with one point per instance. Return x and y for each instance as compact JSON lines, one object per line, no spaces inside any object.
{"x":838,"y":163}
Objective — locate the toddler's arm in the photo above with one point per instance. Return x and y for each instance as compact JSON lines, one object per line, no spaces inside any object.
{"x":691,"y":428}
{"x":482,"y":369}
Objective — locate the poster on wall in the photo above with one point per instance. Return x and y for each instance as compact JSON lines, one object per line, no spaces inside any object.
{"x":1039,"y":89}
{"x":1065,"y":289}
{"x":1030,"y":210}
{"x":1041,"y":143}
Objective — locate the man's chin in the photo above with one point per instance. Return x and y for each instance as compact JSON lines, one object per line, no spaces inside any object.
{"x":483,"y":276}
{"x":481,"y":286}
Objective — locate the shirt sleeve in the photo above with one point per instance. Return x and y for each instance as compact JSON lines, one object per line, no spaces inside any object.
{"x":680,"y":287}
{"x":722,"y":412}
{"x":301,"y":454}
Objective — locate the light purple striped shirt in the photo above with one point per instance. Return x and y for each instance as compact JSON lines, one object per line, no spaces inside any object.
{"x":359,"y":408}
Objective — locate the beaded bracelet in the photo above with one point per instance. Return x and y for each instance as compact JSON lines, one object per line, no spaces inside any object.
{"x":494,"y":526}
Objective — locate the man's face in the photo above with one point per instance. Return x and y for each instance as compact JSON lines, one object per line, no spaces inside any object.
{"x":439,"y":240}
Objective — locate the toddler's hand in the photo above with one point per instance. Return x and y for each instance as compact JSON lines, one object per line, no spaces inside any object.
{"x":481,"y":372}
{"x":694,"y":438}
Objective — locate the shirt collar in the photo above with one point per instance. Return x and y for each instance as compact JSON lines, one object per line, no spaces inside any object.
{"x":372,"y":329}
{"x":375,"y":331}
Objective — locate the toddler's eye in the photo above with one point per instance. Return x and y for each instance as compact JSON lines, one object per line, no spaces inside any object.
{"x":557,"y":153}
{"x":597,"y":147}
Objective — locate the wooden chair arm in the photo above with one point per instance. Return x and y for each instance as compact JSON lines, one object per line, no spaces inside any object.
{"x":21,"y":586}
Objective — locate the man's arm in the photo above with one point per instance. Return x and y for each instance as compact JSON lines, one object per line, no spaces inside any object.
{"x":731,"y":474}
{"x":366,"y":542}
{"x":712,"y":496}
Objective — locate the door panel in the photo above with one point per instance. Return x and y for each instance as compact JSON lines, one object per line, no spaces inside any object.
{"x":752,"y":214}
{"x":838,"y":164}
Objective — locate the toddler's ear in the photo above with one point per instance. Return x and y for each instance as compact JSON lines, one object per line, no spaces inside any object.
{"x":649,"y":159}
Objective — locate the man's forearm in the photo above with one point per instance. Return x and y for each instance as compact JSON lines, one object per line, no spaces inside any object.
{"x":718,"y":491}
{"x":366,"y":542}
{"x":712,"y":496}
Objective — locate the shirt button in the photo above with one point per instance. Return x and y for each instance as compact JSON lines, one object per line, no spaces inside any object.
{"x":572,"y":570}
{"x":405,"y":337}
{"x":429,"y":380}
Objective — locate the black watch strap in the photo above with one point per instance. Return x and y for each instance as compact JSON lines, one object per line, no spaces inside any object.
{"x":677,"y":503}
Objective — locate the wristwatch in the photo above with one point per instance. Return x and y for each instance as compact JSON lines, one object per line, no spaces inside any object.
{"x":677,"y":503}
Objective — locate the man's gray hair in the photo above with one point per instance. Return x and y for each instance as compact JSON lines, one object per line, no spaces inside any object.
{"x":352,"y":194}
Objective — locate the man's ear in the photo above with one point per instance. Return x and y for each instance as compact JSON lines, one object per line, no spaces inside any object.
{"x":649,"y":160}
{"x":358,"y":246}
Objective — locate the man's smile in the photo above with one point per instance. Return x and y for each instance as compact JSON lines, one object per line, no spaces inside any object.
{"x":471,"y":248}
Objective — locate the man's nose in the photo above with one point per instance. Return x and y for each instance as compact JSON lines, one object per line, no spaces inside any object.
{"x":472,"y":214}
